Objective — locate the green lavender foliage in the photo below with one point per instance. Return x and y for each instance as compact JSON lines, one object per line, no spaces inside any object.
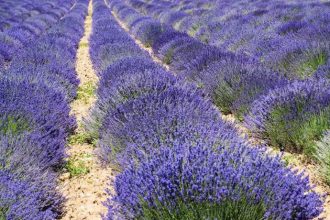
{"x":227,"y":210}
{"x":323,"y":156}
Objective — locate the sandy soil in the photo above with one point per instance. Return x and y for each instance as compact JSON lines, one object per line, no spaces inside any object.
{"x":86,"y":192}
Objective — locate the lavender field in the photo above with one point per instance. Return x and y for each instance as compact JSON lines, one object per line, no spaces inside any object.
{"x":164,"y":109}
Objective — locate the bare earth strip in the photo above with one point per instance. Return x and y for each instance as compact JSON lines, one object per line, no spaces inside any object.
{"x":84,"y":191}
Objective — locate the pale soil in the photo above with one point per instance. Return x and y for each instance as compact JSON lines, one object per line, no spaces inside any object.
{"x":86,"y":192}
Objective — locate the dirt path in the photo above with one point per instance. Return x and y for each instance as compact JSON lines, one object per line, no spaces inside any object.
{"x":84,"y":180}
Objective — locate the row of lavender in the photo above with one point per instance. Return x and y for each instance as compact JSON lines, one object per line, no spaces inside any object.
{"x":289,"y":114}
{"x":35,"y":120}
{"x":292,"y":38}
{"x":13,"y":12}
{"x":17,"y":35}
{"x":177,"y":158}
{"x":16,"y":12}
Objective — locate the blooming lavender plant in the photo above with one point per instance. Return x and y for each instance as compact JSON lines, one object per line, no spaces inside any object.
{"x":180,"y":160}
{"x":147,"y":31}
{"x":294,"y":116}
{"x":235,"y":82}
{"x":105,"y":48}
{"x":31,"y":27}
{"x":298,"y":59}
{"x":160,"y":118}
{"x":23,"y":111}
{"x":167,"y":50}
{"x":323,"y":72}
{"x":286,"y":37}
{"x":109,"y":53}
{"x":34,"y":117}
{"x":7,"y":46}
{"x":184,"y":53}
{"x":165,"y":38}
{"x":26,"y":158}
{"x":123,"y":81}
{"x":20,"y":199}
{"x":323,"y":156}
{"x":28,"y":164}
{"x":46,"y":62}
{"x":197,"y":182}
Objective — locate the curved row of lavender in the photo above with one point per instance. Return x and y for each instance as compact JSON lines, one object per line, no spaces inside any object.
{"x":13,"y":12}
{"x":46,"y":61}
{"x":18,"y":35}
{"x":177,"y":158}
{"x":35,"y":120}
{"x":289,"y":37}
{"x":290,"y":114}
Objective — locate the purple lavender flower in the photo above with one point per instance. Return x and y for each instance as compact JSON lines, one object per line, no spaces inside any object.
{"x":125,"y":80}
{"x":235,"y":82}
{"x":292,"y":117}
{"x":192,"y":175}
{"x":147,"y":31}
{"x":298,"y":59}
{"x":20,"y":199}
{"x":45,"y":118}
{"x":166,"y":37}
{"x":160,"y":118}
{"x":8,"y":46}
{"x":109,"y":53}
{"x":34,"y":114}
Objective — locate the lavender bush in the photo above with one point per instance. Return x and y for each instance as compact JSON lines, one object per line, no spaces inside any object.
{"x":147,"y":31}
{"x":166,"y":51}
{"x":179,"y":160}
{"x":7,"y":46}
{"x":133,"y":86}
{"x":232,"y":81}
{"x":34,"y":112}
{"x":196,"y":182}
{"x":30,"y":27}
{"x":107,"y":49}
{"x":25,"y":158}
{"x":182,"y":54}
{"x":323,"y":72}
{"x":27,"y":180}
{"x":46,"y":61}
{"x":292,"y":117}
{"x":159,"y":118}
{"x":298,"y":59}
{"x":234,"y":84}
{"x":24,"y":200}
{"x":289,"y":38}
{"x":22,"y":100}
{"x":165,"y":38}
{"x":109,"y":53}
{"x":323,"y":156}
{"x":124,"y":81}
